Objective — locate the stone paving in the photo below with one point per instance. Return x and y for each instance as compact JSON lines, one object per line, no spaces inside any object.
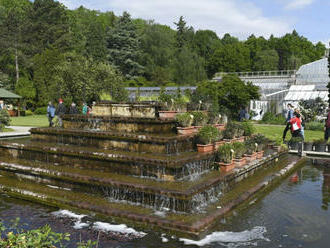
{"x":18,"y":132}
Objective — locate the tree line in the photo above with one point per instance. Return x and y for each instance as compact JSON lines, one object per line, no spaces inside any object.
{"x":48,"y":51}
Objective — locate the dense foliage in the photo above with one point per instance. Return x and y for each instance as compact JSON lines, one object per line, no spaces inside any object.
{"x":44,"y":45}
{"x":4,"y":119}
{"x":225,"y":97}
{"x":44,"y":237}
{"x":313,"y":109}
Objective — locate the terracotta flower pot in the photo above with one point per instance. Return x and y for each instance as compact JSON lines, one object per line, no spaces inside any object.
{"x":167,"y":114}
{"x":260,"y":154}
{"x":186,"y":130}
{"x":240,"y":162}
{"x":226,"y":167}
{"x":205,"y":148}
{"x":251,"y":157}
{"x":220,"y":127}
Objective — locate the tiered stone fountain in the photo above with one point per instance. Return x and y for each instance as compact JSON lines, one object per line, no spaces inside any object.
{"x":123,"y":162}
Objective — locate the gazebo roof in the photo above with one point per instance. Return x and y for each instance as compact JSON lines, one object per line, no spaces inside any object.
{"x":5,"y":94}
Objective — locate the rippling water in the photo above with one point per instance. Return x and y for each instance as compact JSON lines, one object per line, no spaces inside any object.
{"x":293,"y":214}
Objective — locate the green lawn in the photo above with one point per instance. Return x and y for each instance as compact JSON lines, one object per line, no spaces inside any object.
{"x":275,"y":132}
{"x":30,"y":121}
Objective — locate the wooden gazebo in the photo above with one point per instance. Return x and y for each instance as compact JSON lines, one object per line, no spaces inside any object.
{"x":5,"y":95}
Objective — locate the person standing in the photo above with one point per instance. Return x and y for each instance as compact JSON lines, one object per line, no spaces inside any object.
{"x":85,"y":109}
{"x":287,"y":121}
{"x":73,"y":109}
{"x":242,"y":114}
{"x":327,"y":127}
{"x":50,"y":113}
{"x":60,"y":111}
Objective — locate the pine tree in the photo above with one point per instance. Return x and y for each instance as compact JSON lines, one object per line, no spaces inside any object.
{"x":124,"y":47}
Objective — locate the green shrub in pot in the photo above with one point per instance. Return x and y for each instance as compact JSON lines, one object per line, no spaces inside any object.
{"x":184,"y":119}
{"x":239,"y":149}
{"x":225,"y":153}
{"x":200,"y":118}
{"x":207,"y":135}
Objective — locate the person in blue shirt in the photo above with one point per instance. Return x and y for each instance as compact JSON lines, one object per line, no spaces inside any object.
{"x":287,"y":121}
{"x":50,"y":113}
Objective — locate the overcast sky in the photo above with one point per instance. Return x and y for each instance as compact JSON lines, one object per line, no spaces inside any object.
{"x":240,"y":18}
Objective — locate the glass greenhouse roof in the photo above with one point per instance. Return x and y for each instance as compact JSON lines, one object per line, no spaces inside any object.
{"x":314,"y":73}
{"x":305,"y":92}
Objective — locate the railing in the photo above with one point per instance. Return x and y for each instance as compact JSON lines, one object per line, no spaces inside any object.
{"x":257,"y":74}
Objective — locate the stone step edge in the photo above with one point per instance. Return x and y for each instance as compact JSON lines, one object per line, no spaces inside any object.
{"x":185,"y":195}
{"x":75,"y":118}
{"x":194,"y":229}
{"x":146,"y":138}
{"x":107,"y":156}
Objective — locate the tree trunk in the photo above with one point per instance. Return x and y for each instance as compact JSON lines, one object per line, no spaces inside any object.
{"x":16,"y":64}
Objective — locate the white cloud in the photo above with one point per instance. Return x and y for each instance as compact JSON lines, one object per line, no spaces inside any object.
{"x":240,"y":18}
{"x":298,"y":4}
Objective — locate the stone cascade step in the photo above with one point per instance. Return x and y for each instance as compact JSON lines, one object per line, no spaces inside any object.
{"x":113,"y":140}
{"x":162,"y":167}
{"x":120,"y":124}
{"x":174,"y":196}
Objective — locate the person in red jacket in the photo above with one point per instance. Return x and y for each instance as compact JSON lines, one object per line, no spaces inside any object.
{"x":327,"y":127}
{"x":295,"y":124}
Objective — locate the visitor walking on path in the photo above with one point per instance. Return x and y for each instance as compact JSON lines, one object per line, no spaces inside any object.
{"x":288,"y":118}
{"x":60,"y":111}
{"x":50,"y":113}
{"x":295,"y":125}
{"x":327,"y":127}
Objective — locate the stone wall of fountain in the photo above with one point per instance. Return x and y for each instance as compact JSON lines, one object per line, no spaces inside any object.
{"x":124,"y":158}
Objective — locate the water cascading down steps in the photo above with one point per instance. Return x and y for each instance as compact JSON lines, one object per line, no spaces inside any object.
{"x":115,"y":163}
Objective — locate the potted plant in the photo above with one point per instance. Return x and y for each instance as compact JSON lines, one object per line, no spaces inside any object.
{"x":185,"y":121}
{"x":261,"y":142}
{"x":251,"y":148}
{"x":319,"y":145}
{"x":171,"y":105}
{"x":294,"y":143}
{"x":200,"y":118}
{"x":206,"y":136}
{"x":239,"y":131}
{"x":224,"y":157}
{"x":308,"y":146}
{"x":215,"y":119}
{"x":230,"y":131}
{"x":239,"y":150}
{"x":248,"y":128}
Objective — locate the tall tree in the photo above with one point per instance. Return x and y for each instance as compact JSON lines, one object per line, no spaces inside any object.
{"x":230,"y":58}
{"x":188,"y":66}
{"x":49,"y":27}
{"x":266,"y":60}
{"x":157,"y":44}
{"x":13,"y":19}
{"x":124,"y":47}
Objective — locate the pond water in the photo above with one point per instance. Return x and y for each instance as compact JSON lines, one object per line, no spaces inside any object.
{"x":293,"y":214}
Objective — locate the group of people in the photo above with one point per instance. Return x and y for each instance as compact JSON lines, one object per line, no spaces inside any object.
{"x":295,"y":123}
{"x":61,"y":110}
